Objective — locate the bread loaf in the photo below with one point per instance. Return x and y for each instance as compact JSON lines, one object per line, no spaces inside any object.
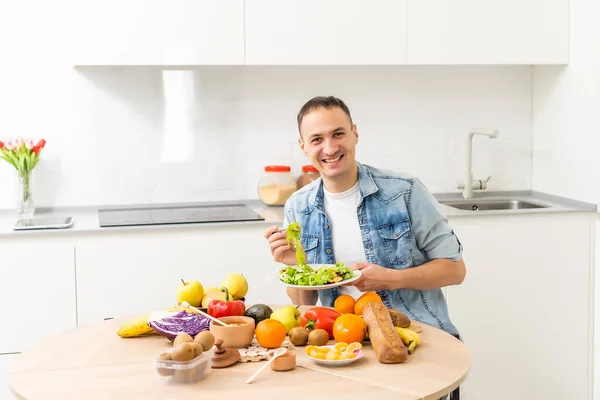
{"x":387,"y":344}
{"x":399,"y":319}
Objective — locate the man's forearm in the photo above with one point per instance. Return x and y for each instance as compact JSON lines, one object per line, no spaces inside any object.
{"x":432,"y":275}
{"x":303,"y":297}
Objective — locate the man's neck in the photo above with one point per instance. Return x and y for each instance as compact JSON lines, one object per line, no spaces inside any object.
{"x":340,"y":184}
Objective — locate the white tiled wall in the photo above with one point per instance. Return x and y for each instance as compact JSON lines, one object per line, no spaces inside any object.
{"x":107,"y":128}
{"x":109,"y":148}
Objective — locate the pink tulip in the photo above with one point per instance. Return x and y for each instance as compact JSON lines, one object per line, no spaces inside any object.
{"x":9,"y":145}
{"x":19,"y":142}
{"x":29,"y":144}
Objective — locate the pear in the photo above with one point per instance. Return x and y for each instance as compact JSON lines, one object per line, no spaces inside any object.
{"x":289,"y":316}
{"x":236,"y":285}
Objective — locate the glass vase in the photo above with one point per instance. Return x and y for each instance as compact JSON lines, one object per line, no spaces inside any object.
{"x":23,"y":191}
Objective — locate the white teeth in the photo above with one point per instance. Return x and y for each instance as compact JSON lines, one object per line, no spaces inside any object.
{"x":332,"y":160}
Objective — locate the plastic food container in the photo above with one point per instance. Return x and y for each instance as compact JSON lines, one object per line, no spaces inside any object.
{"x":177,"y":372}
{"x":276,"y":185}
{"x":309,"y":174}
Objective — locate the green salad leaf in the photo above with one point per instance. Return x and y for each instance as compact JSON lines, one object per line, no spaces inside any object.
{"x":304,"y":275}
{"x":293,"y":238}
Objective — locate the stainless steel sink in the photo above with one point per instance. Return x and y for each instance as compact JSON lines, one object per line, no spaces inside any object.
{"x":488,"y":205}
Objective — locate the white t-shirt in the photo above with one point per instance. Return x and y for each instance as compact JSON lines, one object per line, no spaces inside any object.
{"x":341,"y":209}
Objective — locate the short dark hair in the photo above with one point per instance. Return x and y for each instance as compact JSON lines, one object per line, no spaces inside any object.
{"x":322,"y":102}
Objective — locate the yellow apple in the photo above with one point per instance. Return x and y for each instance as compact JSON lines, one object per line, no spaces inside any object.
{"x":190,"y":291}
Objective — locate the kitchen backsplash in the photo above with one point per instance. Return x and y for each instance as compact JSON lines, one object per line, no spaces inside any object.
{"x":142,"y":135}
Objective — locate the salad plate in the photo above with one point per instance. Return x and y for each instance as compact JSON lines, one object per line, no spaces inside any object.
{"x":317,"y":276}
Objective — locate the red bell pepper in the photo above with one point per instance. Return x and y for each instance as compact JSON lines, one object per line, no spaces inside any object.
{"x":219,"y":308}
{"x":320,"y":318}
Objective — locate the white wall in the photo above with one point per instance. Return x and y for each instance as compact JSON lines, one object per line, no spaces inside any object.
{"x":105,"y":127}
{"x":566,"y":129}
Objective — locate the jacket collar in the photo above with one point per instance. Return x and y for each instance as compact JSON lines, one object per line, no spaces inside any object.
{"x":366,"y":184}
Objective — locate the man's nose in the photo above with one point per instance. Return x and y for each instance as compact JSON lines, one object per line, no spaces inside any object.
{"x":330,"y":148}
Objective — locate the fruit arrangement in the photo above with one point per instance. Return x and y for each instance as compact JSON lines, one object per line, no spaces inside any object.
{"x":350,"y":323}
{"x":223,"y":301}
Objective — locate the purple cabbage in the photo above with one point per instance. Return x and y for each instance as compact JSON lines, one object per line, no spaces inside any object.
{"x":181,"y":322}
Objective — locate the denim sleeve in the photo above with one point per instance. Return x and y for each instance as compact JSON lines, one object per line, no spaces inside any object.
{"x":288,"y":215}
{"x":433,"y":235}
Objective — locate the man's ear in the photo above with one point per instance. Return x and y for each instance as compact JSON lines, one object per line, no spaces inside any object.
{"x":301,"y":144}
{"x":355,"y":131}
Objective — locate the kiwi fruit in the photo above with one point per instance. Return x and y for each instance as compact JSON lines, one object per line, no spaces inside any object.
{"x":318,"y":337}
{"x":399,"y":319}
{"x":183,"y":352}
{"x":206,"y":339}
{"x":182,"y":338}
{"x":198,"y":350}
{"x":298,"y":336}
{"x":164,"y":371}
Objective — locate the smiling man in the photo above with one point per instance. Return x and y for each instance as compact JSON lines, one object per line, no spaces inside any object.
{"x":384,"y":223}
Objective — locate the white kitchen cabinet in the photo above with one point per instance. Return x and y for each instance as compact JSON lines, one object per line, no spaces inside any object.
{"x":37,"y":292}
{"x":332,"y":32}
{"x":488,"y":32}
{"x":5,"y":362}
{"x":158,"y":32}
{"x":524,"y":309}
{"x":125,"y":274}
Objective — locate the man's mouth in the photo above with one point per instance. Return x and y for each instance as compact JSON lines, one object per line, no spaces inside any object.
{"x":332,"y":160}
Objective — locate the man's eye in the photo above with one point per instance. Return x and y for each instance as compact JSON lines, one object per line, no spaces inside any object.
{"x":315,"y":140}
{"x":339,"y":134}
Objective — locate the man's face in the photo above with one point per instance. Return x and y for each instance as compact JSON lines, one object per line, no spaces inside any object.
{"x":328,"y":139}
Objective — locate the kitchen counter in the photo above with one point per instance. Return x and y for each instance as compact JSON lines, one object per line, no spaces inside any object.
{"x":86,"y":218}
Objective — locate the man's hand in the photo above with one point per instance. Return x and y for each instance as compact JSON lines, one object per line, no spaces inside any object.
{"x":374,"y":277}
{"x":280,"y":249}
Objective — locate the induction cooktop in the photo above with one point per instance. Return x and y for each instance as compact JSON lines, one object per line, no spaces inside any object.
{"x":165,"y":215}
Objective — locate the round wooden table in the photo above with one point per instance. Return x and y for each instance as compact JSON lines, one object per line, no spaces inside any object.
{"x":92,"y":362}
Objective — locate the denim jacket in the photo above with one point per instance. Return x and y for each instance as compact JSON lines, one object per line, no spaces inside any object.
{"x":401,"y":227}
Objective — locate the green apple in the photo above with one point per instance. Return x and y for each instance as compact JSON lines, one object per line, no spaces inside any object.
{"x":190,"y":291}
{"x":289,"y":316}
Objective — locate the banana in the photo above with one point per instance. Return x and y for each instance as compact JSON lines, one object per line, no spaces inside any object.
{"x":409,"y":338}
{"x":138,"y":326}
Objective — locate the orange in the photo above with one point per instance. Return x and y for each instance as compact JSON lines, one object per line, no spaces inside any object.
{"x":270,"y":333}
{"x":363,"y":300}
{"x":349,"y":328}
{"x":344,"y":304}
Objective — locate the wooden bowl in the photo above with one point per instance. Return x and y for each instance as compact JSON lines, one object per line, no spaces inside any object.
{"x":239,"y":335}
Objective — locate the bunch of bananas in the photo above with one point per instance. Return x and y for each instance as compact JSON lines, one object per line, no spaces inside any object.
{"x":409,"y":337}
{"x":138,"y":326}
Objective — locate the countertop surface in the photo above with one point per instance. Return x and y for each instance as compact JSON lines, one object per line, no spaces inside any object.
{"x":66,"y":366}
{"x":86,"y":218}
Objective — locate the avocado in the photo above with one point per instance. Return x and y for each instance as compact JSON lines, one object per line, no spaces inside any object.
{"x":259,"y":312}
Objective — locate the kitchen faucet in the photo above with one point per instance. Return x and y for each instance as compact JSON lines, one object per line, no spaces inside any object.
{"x":469,"y":184}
